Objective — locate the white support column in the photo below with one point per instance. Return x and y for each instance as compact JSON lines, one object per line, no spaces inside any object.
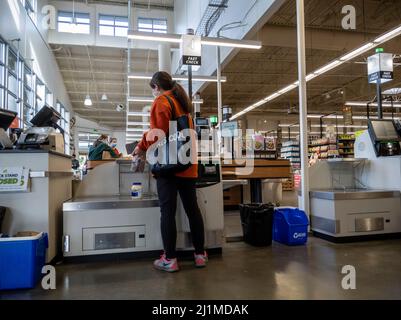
{"x":165,"y":58}
{"x":303,"y":108}
{"x":219,"y":91}
{"x":127,"y":108}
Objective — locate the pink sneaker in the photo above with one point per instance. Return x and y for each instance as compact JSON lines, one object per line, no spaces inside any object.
{"x":201,"y":260}
{"x":164,"y":264}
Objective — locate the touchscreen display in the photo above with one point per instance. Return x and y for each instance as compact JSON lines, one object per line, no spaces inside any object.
{"x":384,"y":130}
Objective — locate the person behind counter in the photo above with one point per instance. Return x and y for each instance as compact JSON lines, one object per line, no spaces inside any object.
{"x":75,"y":162}
{"x":100,"y":146}
{"x":165,"y":88}
{"x":113,"y":145}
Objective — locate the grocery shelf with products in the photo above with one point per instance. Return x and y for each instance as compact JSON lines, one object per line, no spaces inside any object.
{"x":291,"y":151}
{"x":345,"y":143}
{"x":324,"y":148}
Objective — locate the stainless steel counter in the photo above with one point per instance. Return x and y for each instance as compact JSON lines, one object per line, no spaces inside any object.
{"x":354,"y":194}
{"x":111,"y":202}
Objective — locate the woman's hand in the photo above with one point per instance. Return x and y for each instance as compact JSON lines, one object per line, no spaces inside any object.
{"x":139,"y":153}
{"x":139,"y":159}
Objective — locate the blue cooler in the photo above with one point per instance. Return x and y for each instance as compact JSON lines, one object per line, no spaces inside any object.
{"x":290,"y":226}
{"x":21,"y":261}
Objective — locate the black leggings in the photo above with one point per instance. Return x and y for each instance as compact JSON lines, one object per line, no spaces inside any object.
{"x":167,"y":189}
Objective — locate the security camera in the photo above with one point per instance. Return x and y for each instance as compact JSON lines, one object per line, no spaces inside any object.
{"x":120,"y":108}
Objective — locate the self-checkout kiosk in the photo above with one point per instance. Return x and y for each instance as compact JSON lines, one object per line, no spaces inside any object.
{"x":103,"y":219}
{"x":356,"y":199}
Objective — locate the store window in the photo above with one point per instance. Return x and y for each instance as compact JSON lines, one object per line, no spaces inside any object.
{"x":40,"y":95}
{"x":2,"y":73}
{"x":73,"y":22}
{"x":64,"y":123}
{"x":152,"y":25}
{"x":115,"y":26}
{"x":86,"y":139}
{"x":28,"y":95}
{"x":13,"y":79}
{"x":49,"y":97}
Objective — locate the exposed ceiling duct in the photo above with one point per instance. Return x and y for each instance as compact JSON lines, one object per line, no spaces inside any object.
{"x":212,"y":13}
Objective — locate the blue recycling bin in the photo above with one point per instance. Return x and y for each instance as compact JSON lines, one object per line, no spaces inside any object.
{"x":21,"y":261}
{"x":290,"y":226}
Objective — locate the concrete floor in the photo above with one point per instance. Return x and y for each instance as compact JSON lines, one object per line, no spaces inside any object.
{"x":242,"y":272}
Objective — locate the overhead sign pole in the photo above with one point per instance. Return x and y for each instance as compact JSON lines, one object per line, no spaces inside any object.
{"x":380,"y":70}
{"x":191,"y":50}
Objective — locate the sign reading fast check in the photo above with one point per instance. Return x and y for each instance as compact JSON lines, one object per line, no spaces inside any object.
{"x":14,"y":179}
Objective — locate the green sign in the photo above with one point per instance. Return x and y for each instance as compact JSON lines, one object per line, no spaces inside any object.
{"x":214,"y":119}
{"x":13,"y":179}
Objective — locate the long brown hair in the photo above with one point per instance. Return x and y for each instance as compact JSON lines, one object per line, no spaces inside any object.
{"x":164,"y":81}
{"x":100,"y":139}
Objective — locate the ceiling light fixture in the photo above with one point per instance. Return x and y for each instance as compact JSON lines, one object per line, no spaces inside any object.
{"x":374,"y":104}
{"x":347,"y":57}
{"x":141,"y":99}
{"x":138,"y":114}
{"x":144,"y":124}
{"x":145,"y":76}
{"x":88,"y":100}
{"x":135,"y":130}
{"x":176,"y":38}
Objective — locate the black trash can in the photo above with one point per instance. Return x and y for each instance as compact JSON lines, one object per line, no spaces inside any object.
{"x":2,"y":214}
{"x":257,"y":223}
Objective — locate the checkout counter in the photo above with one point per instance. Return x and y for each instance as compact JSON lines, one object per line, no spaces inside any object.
{"x":39,"y":207}
{"x":355,"y":199}
{"x":103,"y":219}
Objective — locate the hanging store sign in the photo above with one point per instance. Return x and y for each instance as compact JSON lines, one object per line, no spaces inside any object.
{"x":347,"y":115}
{"x":14,"y":179}
{"x":191,"y":50}
{"x":380,"y":67}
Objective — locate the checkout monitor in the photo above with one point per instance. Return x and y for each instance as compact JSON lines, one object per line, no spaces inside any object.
{"x":6,"y":118}
{"x":46,"y":117}
{"x":384,"y":130}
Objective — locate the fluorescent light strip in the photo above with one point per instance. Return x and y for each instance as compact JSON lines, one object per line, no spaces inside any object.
{"x":197,"y":78}
{"x":175,"y":38}
{"x":145,"y":124}
{"x":167,"y":37}
{"x":349,"y":56}
{"x":138,"y":114}
{"x":244,"y":44}
{"x":357,"y":52}
{"x":134,"y":136}
{"x":151,"y":100}
{"x":328,"y":67}
{"x":141,"y":99}
{"x":135,"y":130}
{"x":388,"y":36}
{"x":364,"y":104}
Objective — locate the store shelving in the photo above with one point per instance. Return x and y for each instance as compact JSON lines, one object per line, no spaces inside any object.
{"x":324,"y":148}
{"x":291,"y":150}
{"x":346,"y":143}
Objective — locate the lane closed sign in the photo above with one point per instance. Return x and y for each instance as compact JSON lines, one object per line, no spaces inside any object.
{"x":14,"y":179}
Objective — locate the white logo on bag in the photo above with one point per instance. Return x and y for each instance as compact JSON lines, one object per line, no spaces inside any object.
{"x":299,"y":235}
